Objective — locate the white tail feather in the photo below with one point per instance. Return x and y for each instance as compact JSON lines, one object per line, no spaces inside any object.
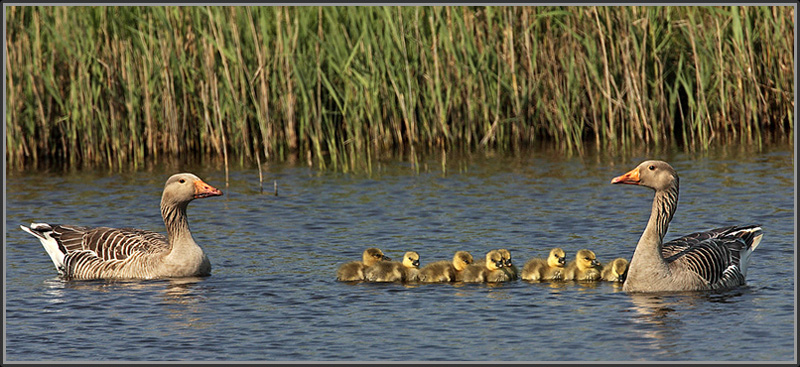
{"x":42,"y":232}
{"x":744,"y":256}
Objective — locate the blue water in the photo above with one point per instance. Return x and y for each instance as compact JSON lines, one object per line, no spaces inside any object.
{"x":272,"y":295}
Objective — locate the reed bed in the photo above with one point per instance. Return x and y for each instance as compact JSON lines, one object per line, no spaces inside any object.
{"x":338,"y":86}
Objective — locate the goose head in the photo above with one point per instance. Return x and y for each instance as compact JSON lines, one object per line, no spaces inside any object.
{"x":586,"y":260}
{"x":461,"y":260}
{"x":372,"y":255}
{"x":494,"y":260}
{"x":557,"y":258}
{"x":181,"y":188}
{"x":657,"y":175}
{"x":411,"y":259}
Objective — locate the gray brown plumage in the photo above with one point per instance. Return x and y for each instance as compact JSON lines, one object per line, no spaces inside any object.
{"x":710,"y":260}
{"x":125,"y":253}
{"x":445,"y":271}
{"x":354,"y":270}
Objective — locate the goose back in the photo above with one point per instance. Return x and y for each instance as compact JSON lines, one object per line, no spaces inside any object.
{"x":104,"y":252}
{"x":715,"y":256}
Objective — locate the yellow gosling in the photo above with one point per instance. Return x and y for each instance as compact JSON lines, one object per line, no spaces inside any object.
{"x":405,"y":271}
{"x":508,"y":266}
{"x":615,"y":271}
{"x":410,"y":267}
{"x":445,"y":271}
{"x":488,"y":271}
{"x":354,"y":270}
{"x":584,"y":267}
{"x":551,"y":268}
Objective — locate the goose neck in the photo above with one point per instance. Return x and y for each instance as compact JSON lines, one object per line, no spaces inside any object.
{"x":665,"y":203}
{"x":175,"y":220}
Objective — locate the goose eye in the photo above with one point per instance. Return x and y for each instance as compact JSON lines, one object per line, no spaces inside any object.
{"x":652,"y":167}
{"x":181,"y":180}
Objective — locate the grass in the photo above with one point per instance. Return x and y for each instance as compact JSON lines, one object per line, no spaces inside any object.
{"x":337,"y":86}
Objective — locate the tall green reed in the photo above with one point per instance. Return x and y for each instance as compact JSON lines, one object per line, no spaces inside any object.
{"x":338,"y":87}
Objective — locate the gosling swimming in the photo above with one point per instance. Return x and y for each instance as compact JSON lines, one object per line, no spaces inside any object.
{"x":616,"y":270}
{"x":405,"y":271}
{"x":354,"y":270}
{"x":584,"y":267}
{"x":508,"y":266}
{"x":488,"y":271}
{"x":551,"y":268}
{"x":445,"y":271}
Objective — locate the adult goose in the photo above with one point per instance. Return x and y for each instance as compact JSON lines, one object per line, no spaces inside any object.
{"x":126,"y":253}
{"x":710,"y":260}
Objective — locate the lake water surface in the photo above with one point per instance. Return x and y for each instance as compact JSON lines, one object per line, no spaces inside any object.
{"x":272,"y":295}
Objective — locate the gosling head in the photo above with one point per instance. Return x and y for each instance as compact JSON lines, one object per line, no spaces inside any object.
{"x":494,"y":260}
{"x":557,"y":258}
{"x":372,"y":255}
{"x":586,"y":260}
{"x":619,"y":267}
{"x":411,"y":259}
{"x":506,"y":257}
{"x":461,"y":260}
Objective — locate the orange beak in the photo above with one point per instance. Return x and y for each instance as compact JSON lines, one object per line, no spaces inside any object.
{"x":630,"y":178}
{"x":204,"y":190}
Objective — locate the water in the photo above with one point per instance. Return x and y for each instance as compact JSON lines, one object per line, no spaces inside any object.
{"x":273,"y":294}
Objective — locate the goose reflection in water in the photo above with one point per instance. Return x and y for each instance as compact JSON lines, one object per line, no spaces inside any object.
{"x":655,"y":328}
{"x":660,"y":328}
{"x":182,"y":297}
{"x":177,"y":290}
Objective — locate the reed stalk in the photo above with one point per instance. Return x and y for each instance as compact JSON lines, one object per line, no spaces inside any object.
{"x":338,"y":87}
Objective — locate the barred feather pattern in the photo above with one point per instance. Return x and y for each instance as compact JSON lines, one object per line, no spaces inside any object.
{"x":104,"y":252}
{"x":665,"y":203}
{"x":714,"y":255}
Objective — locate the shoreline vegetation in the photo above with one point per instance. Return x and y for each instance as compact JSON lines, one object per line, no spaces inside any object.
{"x":337,"y":87}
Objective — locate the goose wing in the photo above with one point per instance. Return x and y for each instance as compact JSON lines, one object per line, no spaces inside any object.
{"x":108,"y":243}
{"x":714,"y":255}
